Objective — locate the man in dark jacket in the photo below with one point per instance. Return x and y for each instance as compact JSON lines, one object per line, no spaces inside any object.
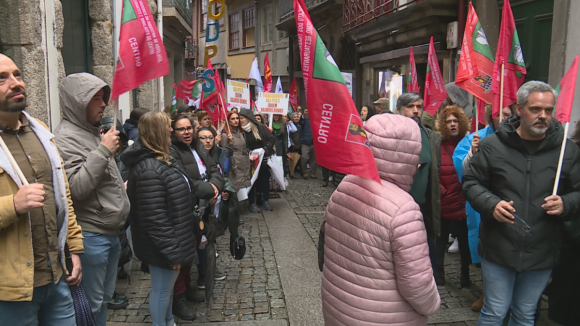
{"x":425,"y":189}
{"x":510,"y":181}
{"x":308,"y":155}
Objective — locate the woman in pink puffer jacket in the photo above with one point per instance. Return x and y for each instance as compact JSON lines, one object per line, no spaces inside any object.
{"x":376,"y":260}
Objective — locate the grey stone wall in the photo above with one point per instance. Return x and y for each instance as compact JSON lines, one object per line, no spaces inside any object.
{"x":21,"y":39}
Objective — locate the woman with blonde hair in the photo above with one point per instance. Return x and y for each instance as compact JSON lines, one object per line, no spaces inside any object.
{"x":452,"y":124}
{"x":162,"y":220}
{"x":258,"y":136}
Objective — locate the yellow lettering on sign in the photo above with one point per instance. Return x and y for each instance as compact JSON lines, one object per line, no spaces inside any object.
{"x":207,"y":56}
{"x":210,"y":13}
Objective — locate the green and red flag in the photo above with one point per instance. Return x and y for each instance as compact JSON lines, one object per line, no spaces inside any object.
{"x":197,"y":89}
{"x":267,"y":75}
{"x":435,"y":92}
{"x":142,"y":56}
{"x":174,"y":99}
{"x":565,"y":91}
{"x":412,"y":84}
{"x":509,"y":52}
{"x":253,"y":106}
{"x":340,"y":140}
{"x":475,"y":70}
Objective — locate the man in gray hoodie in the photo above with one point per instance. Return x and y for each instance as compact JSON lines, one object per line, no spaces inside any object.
{"x":96,"y":186}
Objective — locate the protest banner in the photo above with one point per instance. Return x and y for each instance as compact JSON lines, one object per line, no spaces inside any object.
{"x":238,"y":94}
{"x":273,"y":103}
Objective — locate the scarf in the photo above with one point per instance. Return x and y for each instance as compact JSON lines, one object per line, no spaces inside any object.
{"x":247,"y":128}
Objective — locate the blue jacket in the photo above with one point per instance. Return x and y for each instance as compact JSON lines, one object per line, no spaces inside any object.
{"x":306,"y":133}
{"x":473,"y":217}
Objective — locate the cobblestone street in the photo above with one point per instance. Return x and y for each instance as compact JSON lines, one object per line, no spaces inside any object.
{"x":253,"y":290}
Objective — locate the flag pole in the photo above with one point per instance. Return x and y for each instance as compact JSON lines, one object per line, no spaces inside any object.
{"x":116,"y":113}
{"x":561,"y":159}
{"x":501,"y":92}
{"x":477,"y":117}
{"x":160,"y":82}
{"x":13,"y":162}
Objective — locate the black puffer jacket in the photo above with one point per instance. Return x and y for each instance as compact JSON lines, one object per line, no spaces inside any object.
{"x":185,"y":159}
{"x":162,"y":222}
{"x":267,"y":141}
{"x":503,"y":169}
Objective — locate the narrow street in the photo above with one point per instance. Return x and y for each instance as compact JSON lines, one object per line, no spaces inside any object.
{"x":278,"y":281}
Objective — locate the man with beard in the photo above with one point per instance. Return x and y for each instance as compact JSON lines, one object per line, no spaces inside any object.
{"x":509,"y":181}
{"x":425,"y":189}
{"x":37,"y":220}
{"x":97,"y":188}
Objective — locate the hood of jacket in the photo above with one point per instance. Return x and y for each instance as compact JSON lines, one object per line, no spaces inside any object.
{"x":76,"y":92}
{"x":507,"y":133}
{"x":248,"y":114}
{"x":136,"y":153}
{"x":396,"y":144}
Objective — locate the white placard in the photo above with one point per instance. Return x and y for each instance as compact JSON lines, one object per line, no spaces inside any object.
{"x":273,"y":103}
{"x":238,"y":94}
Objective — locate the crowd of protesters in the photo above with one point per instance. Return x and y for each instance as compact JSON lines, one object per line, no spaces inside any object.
{"x":491,"y":189}
{"x":164,"y":186}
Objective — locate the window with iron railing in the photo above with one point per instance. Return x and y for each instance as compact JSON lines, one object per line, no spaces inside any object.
{"x":234,"y":31}
{"x":249,"y":25}
{"x":359,"y":12}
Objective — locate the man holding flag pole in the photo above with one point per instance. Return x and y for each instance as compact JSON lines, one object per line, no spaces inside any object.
{"x":510,"y":182}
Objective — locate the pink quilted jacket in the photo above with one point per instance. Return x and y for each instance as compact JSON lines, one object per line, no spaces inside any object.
{"x":376,"y":260}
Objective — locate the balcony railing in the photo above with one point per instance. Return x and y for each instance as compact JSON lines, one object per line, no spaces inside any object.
{"x":286,"y":7}
{"x":183,"y":7}
{"x":359,"y":12}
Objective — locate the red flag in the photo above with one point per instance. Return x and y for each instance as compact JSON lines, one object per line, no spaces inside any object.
{"x":412,"y":84}
{"x":435,"y":92}
{"x":565,"y":91}
{"x":509,"y":52}
{"x":142,"y":56}
{"x":267,"y":75}
{"x":340,"y":140}
{"x":475,"y":69}
{"x":185,"y":89}
{"x":293,"y":94}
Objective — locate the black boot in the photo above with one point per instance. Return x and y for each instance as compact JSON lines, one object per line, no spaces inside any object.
{"x":181,"y":309}
{"x":192,"y":295}
{"x":440,"y":276}
{"x":464,"y":281}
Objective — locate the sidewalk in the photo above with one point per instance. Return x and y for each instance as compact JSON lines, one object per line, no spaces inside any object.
{"x":278,"y":281}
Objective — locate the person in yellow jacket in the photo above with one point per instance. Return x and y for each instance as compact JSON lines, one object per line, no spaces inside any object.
{"x":37,"y":221}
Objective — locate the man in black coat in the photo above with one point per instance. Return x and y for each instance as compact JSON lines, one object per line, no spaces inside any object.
{"x":510,"y":181}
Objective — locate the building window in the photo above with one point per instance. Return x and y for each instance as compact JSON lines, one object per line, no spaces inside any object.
{"x":249,"y":27}
{"x":203,"y":14}
{"x":234,"y":31}
{"x":267,"y":24}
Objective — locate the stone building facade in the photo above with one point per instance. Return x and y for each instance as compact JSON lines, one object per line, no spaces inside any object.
{"x":32,"y":32}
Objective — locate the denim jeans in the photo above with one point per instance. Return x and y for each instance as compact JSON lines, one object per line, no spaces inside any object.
{"x":504,"y":288}
{"x":99,"y":263}
{"x":161,"y":298}
{"x":51,"y":305}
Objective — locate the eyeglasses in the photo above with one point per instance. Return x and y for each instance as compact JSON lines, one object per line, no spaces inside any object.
{"x":206,"y":138}
{"x":184,"y":129}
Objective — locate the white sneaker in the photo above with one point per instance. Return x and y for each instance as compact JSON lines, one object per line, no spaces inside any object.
{"x":454,"y":247}
{"x":451,"y":239}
